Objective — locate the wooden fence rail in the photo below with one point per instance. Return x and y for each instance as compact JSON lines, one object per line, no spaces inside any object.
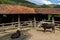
{"x":12,"y":25}
{"x":7,"y":26}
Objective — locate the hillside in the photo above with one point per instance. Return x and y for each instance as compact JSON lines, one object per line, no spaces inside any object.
{"x":19,"y":2}
{"x":58,"y":6}
{"x":27,"y":3}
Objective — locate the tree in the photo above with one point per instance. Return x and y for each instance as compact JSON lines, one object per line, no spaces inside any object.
{"x":19,"y":2}
{"x":57,"y":6}
{"x":44,"y":6}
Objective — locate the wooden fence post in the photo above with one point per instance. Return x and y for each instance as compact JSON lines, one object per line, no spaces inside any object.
{"x":53,"y":20}
{"x":3,"y":26}
{"x":12,"y":21}
{"x":19,"y":22}
{"x":34,"y":21}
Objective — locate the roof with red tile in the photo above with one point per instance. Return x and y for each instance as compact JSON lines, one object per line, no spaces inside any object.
{"x":47,"y":10}
{"x":15,"y":9}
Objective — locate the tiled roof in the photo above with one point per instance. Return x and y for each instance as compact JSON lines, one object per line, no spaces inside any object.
{"x":47,"y":10}
{"x":15,"y":9}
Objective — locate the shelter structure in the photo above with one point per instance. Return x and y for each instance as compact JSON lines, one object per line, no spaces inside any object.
{"x":15,"y":13}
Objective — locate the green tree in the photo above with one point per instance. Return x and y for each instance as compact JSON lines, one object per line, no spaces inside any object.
{"x":44,"y":6}
{"x":19,"y":2}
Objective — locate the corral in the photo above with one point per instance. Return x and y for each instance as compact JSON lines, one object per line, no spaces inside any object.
{"x":20,"y":17}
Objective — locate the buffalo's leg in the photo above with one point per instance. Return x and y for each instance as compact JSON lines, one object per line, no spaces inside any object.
{"x":53,"y":29}
{"x":44,"y":29}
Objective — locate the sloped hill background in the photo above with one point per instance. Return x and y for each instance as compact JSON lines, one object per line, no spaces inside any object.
{"x":19,"y":2}
{"x":27,"y":3}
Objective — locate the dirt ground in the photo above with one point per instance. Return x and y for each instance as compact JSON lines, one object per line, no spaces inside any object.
{"x":37,"y":34}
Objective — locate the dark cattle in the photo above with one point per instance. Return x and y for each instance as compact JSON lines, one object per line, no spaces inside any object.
{"x":48,"y":26}
{"x":16,"y":35}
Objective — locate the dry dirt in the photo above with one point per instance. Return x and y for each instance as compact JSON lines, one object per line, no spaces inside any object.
{"x":38,"y":34}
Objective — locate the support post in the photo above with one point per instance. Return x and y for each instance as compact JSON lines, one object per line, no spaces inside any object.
{"x":34,"y":21}
{"x":3,"y":26}
{"x":53,"y":20}
{"x":31,"y":23}
{"x":18,"y":22}
{"x":53,"y":29}
{"x":12,"y":20}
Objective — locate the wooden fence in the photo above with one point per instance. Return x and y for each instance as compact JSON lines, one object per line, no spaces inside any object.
{"x":23,"y":24}
{"x":14,"y":25}
{"x":8,"y":26}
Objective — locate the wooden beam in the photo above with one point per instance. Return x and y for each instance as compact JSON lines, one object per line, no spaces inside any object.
{"x":34,"y":21}
{"x":53,"y":20}
{"x":12,"y":20}
{"x":3,"y":26}
{"x":19,"y":22}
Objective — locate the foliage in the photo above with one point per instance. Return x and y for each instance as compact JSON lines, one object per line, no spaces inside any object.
{"x":18,"y":2}
{"x":44,"y":6}
{"x":56,"y":6}
{"x":26,"y":3}
{"x":22,"y":2}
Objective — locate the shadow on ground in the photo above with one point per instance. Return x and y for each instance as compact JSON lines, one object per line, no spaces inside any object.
{"x":46,"y":30}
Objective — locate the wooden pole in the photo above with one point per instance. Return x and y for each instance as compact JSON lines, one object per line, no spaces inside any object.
{"x":3,"y":26}
{"x":31,"y":23}
{"x":18,"y":22}
{"x":12,"y":20}
{"x":53,"y":20}
{"x":34,"y":21}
